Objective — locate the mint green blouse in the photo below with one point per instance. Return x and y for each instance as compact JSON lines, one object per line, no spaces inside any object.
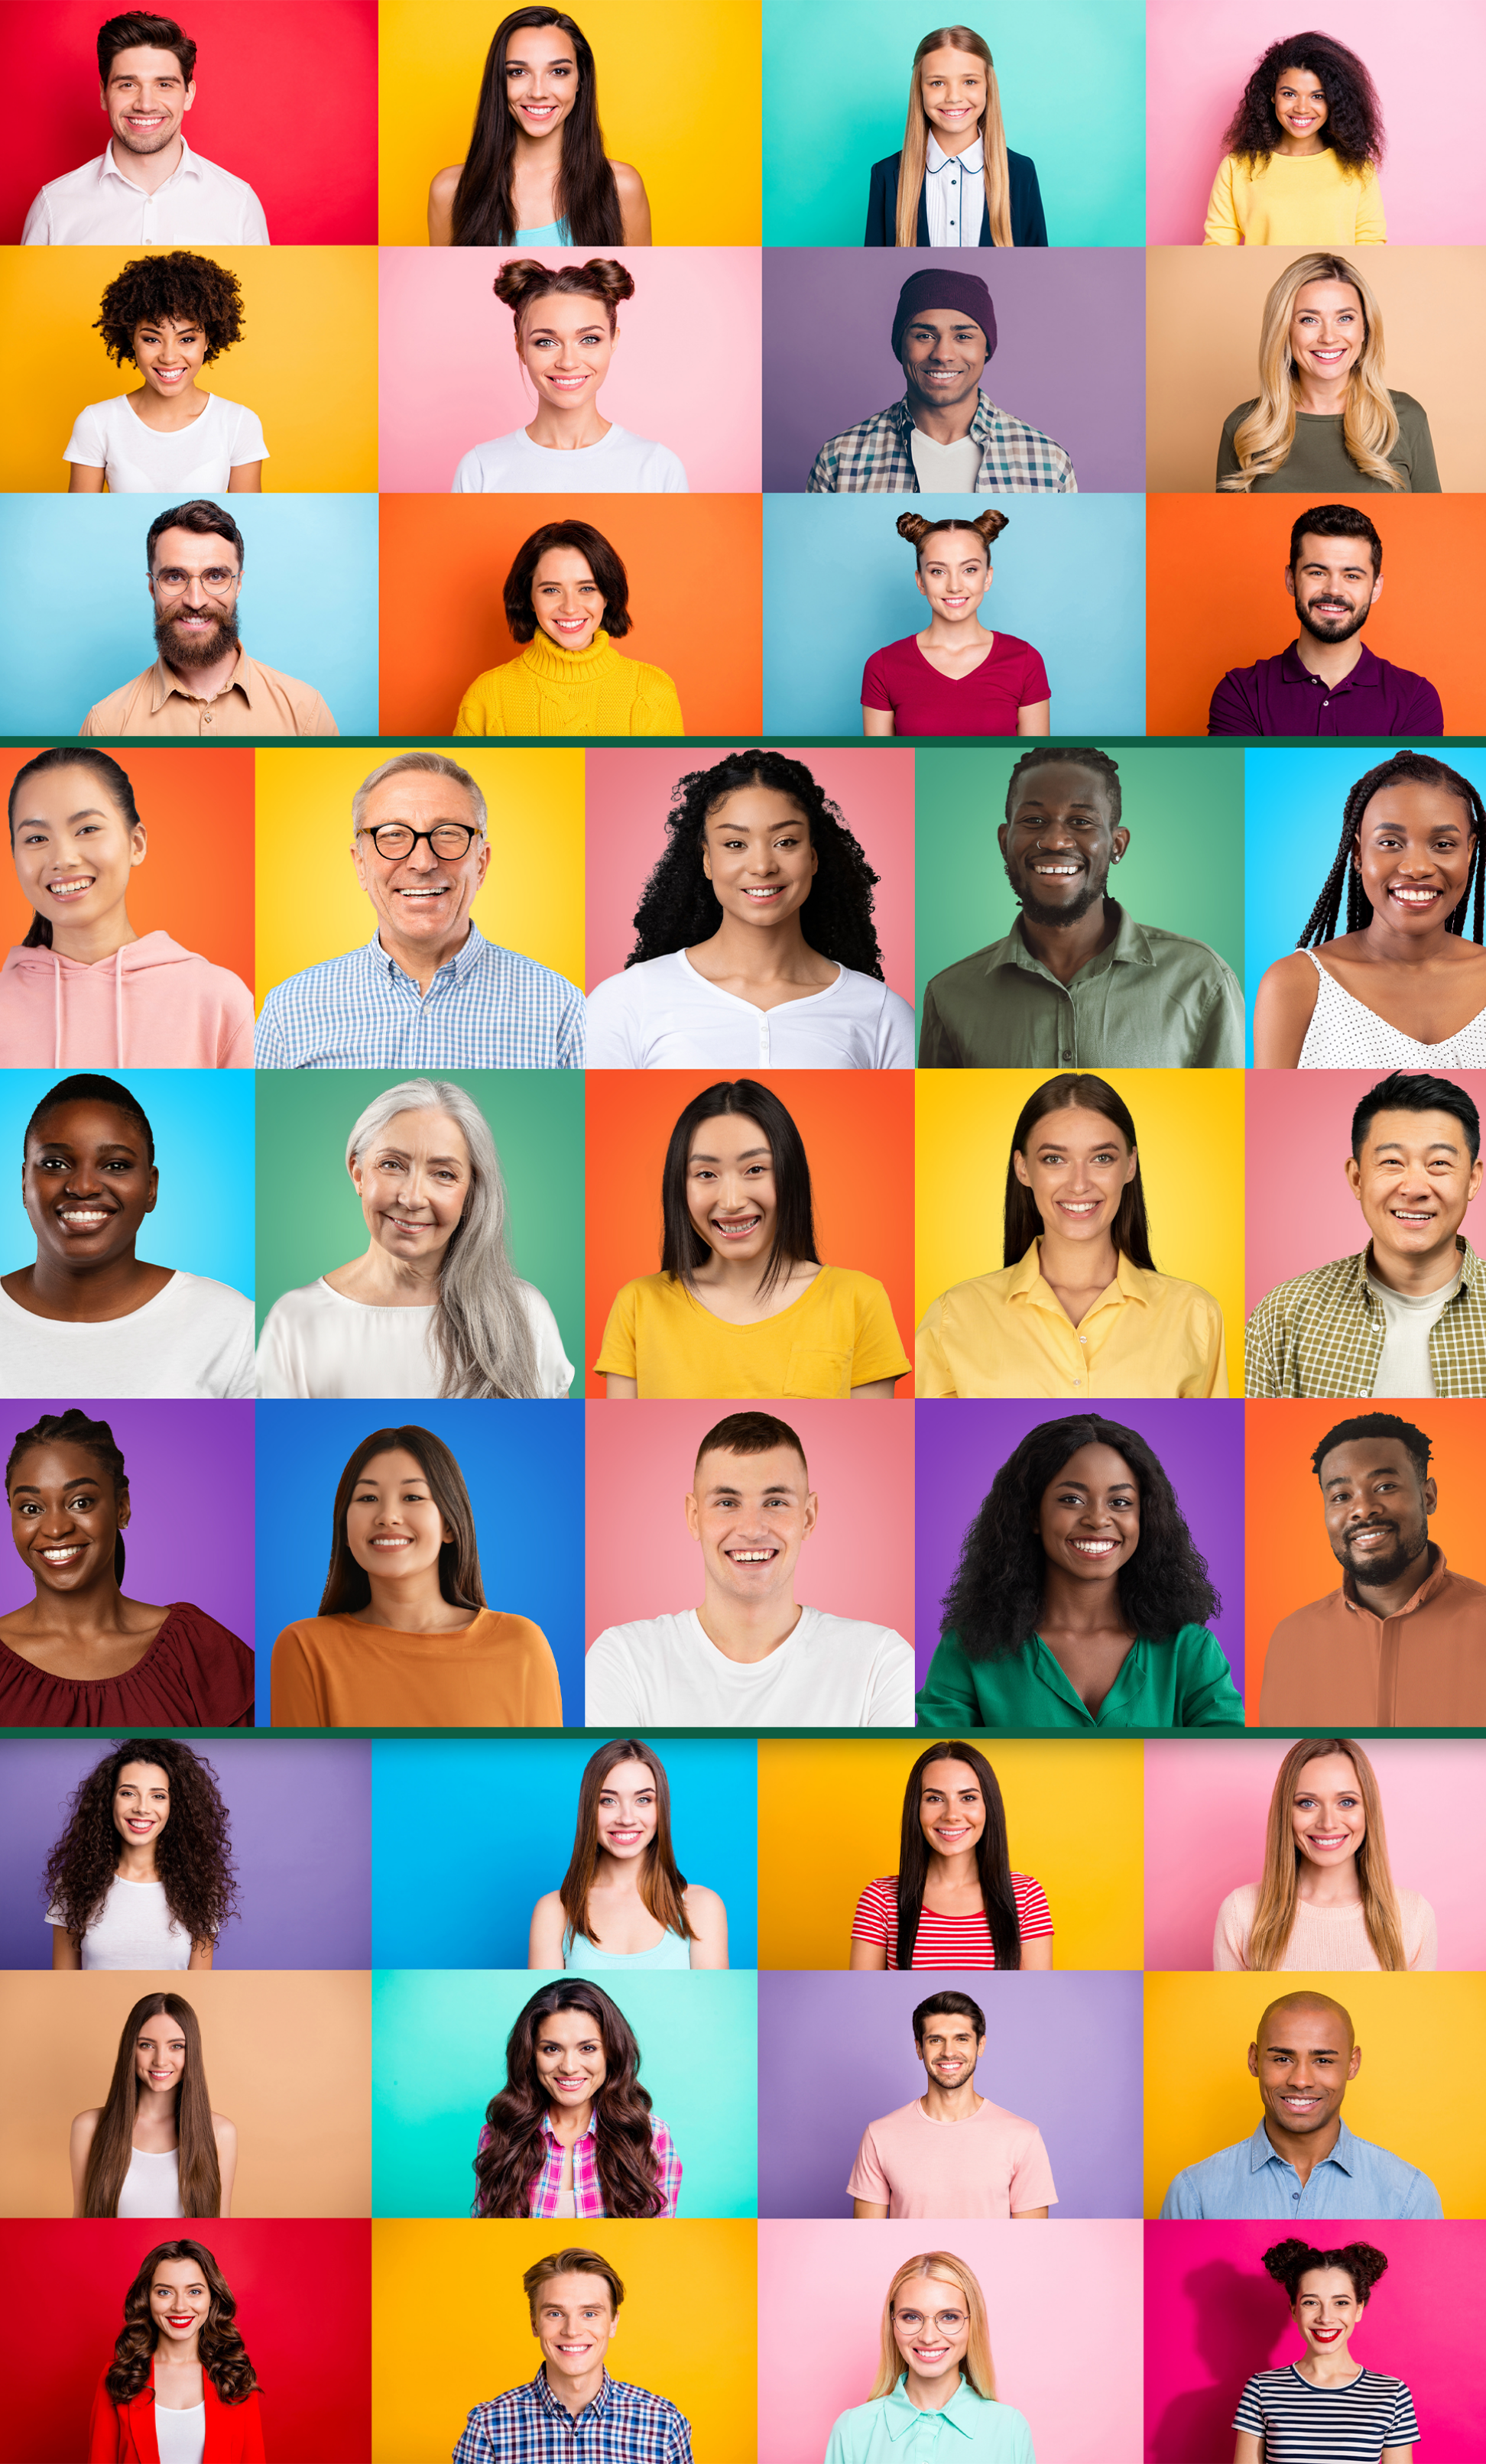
{"x":895,"y":2432}
{"x":1185,"y":1684}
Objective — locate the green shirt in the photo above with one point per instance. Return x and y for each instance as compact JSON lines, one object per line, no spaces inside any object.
{"x":970,"y":2426}
{"x":1185,"y":1684}
{"x":1320,"y":466}
{"x":1151,"y":1000}
{"x":1322,"y":1333}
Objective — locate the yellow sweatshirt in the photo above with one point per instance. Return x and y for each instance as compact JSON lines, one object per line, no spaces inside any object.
{"x":552,"y":692}
{"x":1296,"y":201}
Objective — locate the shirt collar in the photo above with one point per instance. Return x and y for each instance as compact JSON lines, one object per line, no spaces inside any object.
{"x":1362,"y":1266}
{"x":1429,"y":1590}
{"x":982,"y":423}
{"x":467,"y":954}
{"x":1130,"y":946}
{"x":597,"y":2403}
{"x":1262,"y":2151}
{"x":185,"y":170}
{"x":973,"y":159}
{"x":899,"y":2416}
{"x":1363,"y":674}
{"x":1027,"y":1276}
{"x":244,"y":679}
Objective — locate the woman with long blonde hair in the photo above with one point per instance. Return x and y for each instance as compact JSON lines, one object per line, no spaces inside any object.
{"x":934,"y":2357}
{"x":1324,"y":421}
{"x":955,"y":184}
{"x":1327,"y":1899}
{"x":624,"y":1900}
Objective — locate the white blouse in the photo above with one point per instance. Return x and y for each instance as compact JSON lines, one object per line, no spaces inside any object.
{"x":1346,"y":1034}
{"x":134,"y":1928}
{"x":663,"y":1015}
{"x":137,"y":460}
{"x":317,"y":1342}
{"x":181,"y":2436}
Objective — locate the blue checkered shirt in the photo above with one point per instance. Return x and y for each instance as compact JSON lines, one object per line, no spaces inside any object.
{"x":622,"y":2425}
{"x":487,"y":1008}
{"x":875,"y":458}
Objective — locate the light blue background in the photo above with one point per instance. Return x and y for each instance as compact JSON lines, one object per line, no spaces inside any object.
{"x":838,"y":583}
{"x":494,"y":1829}
{"x":77,"y":620}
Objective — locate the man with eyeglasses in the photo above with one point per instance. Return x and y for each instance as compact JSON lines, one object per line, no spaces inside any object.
{"x":203,"y":684}
{"x":427,"y":990}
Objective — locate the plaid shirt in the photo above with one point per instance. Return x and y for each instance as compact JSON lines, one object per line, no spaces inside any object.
{"x":875,"y":458}
{"x":487,"y":1008}
{"x":587,"y":2189}
{"x":1321,"y":1333}
{"x":621,"y":2425}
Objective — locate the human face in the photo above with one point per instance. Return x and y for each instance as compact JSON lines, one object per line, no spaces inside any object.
{"x":931,"y":2325}
{"x":1334,"y":587}
{"x":392,"y":1526}
{"x":169,"y":353}
{"x":1089,"y":1521}
{"x":1303,"y":2059}
{"x":180,"y":2302}
{"x":194,"y":585}
{"x":1326,"y":1813}
{"x":1414,"y":852}
{"x":1413,"y":1181}
{"x":72,"y":850}
{"x":414,"y":1183}
{"x":1300,"y":108}
{"x":574,"y":2323}
{"x":943,"y":354}
{"x":730,"y":1187}
{"x":1077,"y":1167}
{"x":1377,"y":1509}
{"x":951,"y":1808}
{"x":1328,"y":330}
{"x":1060,"y":841}
{"x":952,"y":86}
{"x":752,"y":1515}
{"x":540,"y":78}
{"x":565,"y":347}
{"x":160,"y":2053}
{"x":954,"y":574}
{"x":756,"y":852}
{"x":950,"y":2049}
{"x":65,"y":1517}
{"x":145,"y":99}
{"x":422,"y":900}
{"x":565,"y":600}
{"x":88,"y":1184}
{"x":141,"y":1803}
{"x":627,"y":1810}
{"x":1326,"y":2309}
{"x":570,"y":2064}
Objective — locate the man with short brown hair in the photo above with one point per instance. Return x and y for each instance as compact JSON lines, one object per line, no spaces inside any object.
{"x":572,"y":2409}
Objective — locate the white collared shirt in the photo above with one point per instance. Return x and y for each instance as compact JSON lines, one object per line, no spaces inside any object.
{"x":198,"y":205}
{"x":954,"y":188}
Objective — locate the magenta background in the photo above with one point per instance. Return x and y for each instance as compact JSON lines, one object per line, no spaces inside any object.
{"x":628,"y":796}
{"x":1212,"y":2317}
{"x":1069,"y":357}
{"x":962,"y":1444}
{"x":1064,"y":2052}
{"x":835,"y":2278}
{"x":300,"y":1819}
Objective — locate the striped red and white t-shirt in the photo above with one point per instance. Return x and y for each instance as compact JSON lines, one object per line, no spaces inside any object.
{"x":946,"y":1942}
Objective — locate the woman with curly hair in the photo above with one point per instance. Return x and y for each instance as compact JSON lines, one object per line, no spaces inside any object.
{"x":566,"y":326}
{"x":143,"y":1875}
{"x":171,"y":317}
{"x":624,"y":1901}
{"x":537,"y":175}
{"x":1324,"y":421}
{"x":155,"y":2148}
{"x":1303,"y":150}
{"x":755,"y":937}
{"x":1327,"y":1899}
{"x":180,"y":2389}
{"x":956,"y":677}
{"x":954,"y":1900}
{"x":1326,"y":2406}
{"x":1080,"y":1600}
{"x":567,"y":599}
{"x":572,"y":2132}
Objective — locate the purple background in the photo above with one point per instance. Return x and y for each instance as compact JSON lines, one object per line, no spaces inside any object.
{"x":302,"y":1842}
{"x":1064,"y":2052}
{"x":1069,"y":354}
{"x":960,"y":1446}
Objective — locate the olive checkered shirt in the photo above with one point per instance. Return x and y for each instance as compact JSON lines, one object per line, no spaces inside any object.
{"x":875,"y":458}
{"x":1321,"y":1333}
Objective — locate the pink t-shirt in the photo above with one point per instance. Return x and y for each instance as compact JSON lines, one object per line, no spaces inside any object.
{"x":994,"y":2165}
{"x":984,"y":703}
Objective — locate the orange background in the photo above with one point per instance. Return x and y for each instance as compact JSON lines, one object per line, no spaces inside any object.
{"x":197,"y":881}
{"x":1288,"y":1557}
{"x":857,"y":1127}
{"x":1216,"y":598}
{"x":694,"y":566}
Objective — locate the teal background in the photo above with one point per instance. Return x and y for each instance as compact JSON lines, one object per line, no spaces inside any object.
{"x":435,"y":1900}
{"x":438,"y":2057}
{"x":1072,"y":74}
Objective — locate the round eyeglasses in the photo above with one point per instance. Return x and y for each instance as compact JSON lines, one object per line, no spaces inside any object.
{"x":394,"y":839}
{"x":949,"y":2322}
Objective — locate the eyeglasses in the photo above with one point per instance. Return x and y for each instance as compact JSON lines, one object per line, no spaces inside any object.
{"x":949,"y":2322}
{"x":394,"y":839}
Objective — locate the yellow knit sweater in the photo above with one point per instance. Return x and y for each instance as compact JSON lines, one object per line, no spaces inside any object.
{"x":552,"y":692}
{"x":1296,"y":201}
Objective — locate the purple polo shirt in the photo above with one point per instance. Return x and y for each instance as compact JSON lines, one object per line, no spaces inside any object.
{"x":1281,"y":697}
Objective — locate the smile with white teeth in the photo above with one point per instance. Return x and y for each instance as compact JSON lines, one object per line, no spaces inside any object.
{"x":749,"y":1557}
{"x":1326,"y":1839}
{"x":1410,"y":1215}
{"x":392,"y":1540}
{"x":776,"y":890}
{"x":944,"y":376}
{"x":1326,"y":352}
{"x":572,"y":623}
{"x":72,"y":888}
{"x":1413,"y":897}
{"x":427,"y":890}
{"x":1080,"y":1206}
{"x":1299,"y":2104}
{"x":570,"y":383}
{"x":569,"y":2086}
{"x":401,"y":1223}
{"x":83,"y":1218}
{"x":1093,"y":1548}
{"x":738,"y":1231}
{"x":64,"y":1556}
{"x":1057,"y":872}
{"x":1375,"y":1536}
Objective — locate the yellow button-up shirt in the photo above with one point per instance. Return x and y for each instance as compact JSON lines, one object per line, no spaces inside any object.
{"x":255,"y":701}
{"x":1008,"y":1334}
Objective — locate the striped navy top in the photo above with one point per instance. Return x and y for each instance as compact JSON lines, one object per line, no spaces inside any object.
{"x":1301,"y":2424}
{"x":947,"y":1941}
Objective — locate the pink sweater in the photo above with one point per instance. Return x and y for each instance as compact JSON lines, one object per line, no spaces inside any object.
{"x":152,"y":1005}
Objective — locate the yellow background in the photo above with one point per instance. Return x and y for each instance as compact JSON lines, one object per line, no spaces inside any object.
{"x":1417,"y":2093}
{"x":1073,"y":1820}
{"x":307,"y":362}
{"x":311,"y":906}
{"x":677,"y":95}
{"x":450,"y":2326}
{"x":1190,"y":1127}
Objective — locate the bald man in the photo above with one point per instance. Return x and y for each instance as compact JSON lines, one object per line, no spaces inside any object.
{"x":1302,"y":2161}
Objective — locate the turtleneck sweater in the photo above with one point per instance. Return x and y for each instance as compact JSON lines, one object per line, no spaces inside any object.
{"x":552,"y":691}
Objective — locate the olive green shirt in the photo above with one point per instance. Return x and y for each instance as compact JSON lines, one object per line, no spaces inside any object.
{"x":1320,"y":466}
{"x":1150,"y":1000}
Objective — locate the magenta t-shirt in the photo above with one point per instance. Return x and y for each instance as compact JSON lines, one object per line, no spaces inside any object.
{"x":984,"y":703}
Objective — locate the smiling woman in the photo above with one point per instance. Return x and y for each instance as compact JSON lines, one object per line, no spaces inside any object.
{"x":567,"y":328}
{"x":1304,"y":149}
{"x":956,"y":677}
{"x":934,"y":2360}
{"x":567,"y":598}
{"x":1324,"y":421}
{"x":623,"y":1876}
{"x":572,"y":2132}
{"x":1328,"y":1898}
{"x":537,"y":171}
{"x":1326,"y":2403}
{"x":143,"y":1875}
{"x":155,"y":2148}
{"x":172,"y":315}
{"x":180,"y":2381}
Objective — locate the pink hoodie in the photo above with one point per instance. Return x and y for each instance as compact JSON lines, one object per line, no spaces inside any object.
{"x":152,"y":1005}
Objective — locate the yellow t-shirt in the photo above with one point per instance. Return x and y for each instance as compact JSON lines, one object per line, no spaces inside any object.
{"x":1008,"y":1334}
{"x":336,"y":1672}
{"x":839,"y":1334}
{"x":1296,"y":201}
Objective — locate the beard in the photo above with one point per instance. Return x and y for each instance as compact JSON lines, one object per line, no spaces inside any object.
{"x":195,"y":650}
{"x":1333,"y":627}
{"x":1374,"y":1571}
{"x":155,"y":144}
{"x":1052,"y":913}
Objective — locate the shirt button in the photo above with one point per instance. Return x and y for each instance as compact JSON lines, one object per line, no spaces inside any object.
{"x":1084,"y":1340}
{"x":1078,"y":1382}
{"x":206,"y":719}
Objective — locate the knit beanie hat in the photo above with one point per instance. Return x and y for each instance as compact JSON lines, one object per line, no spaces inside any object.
{"x":941,"y":286}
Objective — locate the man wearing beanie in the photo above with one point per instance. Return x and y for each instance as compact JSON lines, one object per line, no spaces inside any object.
{"x":945,"y":437}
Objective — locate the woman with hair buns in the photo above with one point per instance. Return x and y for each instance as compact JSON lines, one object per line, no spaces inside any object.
{"x":934,"y":2363}
{"x":180,"y":2388}
{"x":1327,"y":1899}
{"x":956,"y":677}
{"x":1326,"y":2406}
{"x":566,"y":326}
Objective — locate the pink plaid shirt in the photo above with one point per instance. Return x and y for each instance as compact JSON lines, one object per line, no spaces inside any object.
{"x":588,"y":2191}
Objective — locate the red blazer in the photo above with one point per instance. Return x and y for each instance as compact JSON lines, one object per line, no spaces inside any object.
{"x":125,"y":2434}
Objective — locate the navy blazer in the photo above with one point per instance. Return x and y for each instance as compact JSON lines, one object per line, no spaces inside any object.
{"x":1029,"y":227}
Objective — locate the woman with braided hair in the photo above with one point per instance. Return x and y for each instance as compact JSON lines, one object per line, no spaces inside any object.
{"x":1325,"y":2408}
{"x":1404,"y":986}
{"x":957,"y":677}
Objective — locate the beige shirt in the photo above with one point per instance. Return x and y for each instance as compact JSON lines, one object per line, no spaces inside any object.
{"x":255,"y":701}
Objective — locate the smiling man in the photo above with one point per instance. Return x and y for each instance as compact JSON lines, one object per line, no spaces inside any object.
{"x":951,"y":2152}
{"x":945,"y":437}
{"x":572,"y":2409}
{"x":427,"y":990}
{"x":1328,"y":682}
{"x":749,"y":1656}
{"x":1302,"y":2161}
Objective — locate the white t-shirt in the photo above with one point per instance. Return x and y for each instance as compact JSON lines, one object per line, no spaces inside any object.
{"x":1405,"y":1367}
{"x":111,"y":437}
{"x":619,"y":461}
{"x":831,"y":1673}
{"x":317,"y":1342}
{"x":946,"y":469}
{"x":134,"y":1928}
{"x":663,"y":1015}
{"x":195,"y":1337}
{"x":181,"y":2436}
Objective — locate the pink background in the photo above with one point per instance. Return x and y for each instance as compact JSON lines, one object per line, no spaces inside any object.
{"x":687,"y":371}
{"x":642,"y":1561}
{"x":1206,"y":1807}
{"x":1074,"y":2289}
{"x":1212,"y":2317}
{"x":628,"y":796}
{"x":1198,"y":60}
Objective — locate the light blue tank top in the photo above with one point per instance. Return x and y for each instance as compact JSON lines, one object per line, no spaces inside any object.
{"x":585,"y":1958}
{"x":550,"y":235}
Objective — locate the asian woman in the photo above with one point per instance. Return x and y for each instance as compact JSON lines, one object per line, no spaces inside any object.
{"x":432,"y":1306}
{"x":572,"y":2132}
{"x":537,"y":175}
{"x":80,"y":1654}
{"x":143,"y":1875}
{"x":1326,"y":2405}
{"x":1080,"y":1600}
{"x":955,"y":184}
{"x":170,"y":316}
{"x":566,"y":326}
{"x":755,"y":936}
{"x":956,"y":677}
{"x":1327,"y":1899}
{"x":84,"y":987}
{"x":181,"y":2389}
{"x":1301,"y":153}
{"x":742,"y":1304}
{"x":1323,"y":422}
{"x":623,"y":1903}
{"x":403,"y":1638}
{"x":567,"y":599}
{"x":935,"y":2359}
{"x":156,"y":2148}
{"x":954,"y":1902}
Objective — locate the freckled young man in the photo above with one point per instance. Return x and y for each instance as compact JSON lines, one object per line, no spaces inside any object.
{"x":573,"y":2411}
{"x":951,"y":2152}
{"x":1328,"y":682}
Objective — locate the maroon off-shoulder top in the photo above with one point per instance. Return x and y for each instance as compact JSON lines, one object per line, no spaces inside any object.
{"x":194,"y":1675}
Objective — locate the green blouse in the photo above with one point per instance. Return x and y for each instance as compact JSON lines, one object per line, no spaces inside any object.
{"x":1185,"y":1684}
{"x":1320,"y":464}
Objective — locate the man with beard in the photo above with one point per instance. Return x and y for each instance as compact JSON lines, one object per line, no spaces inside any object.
{"x":1328,"y":683}
{"x":1076,"y":984}
{"x":204,"y":682}
{"x":951,"y":2152}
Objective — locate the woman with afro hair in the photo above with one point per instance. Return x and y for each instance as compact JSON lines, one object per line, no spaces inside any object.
{"x":1301,"y":153}
{"x":1325,"y":2406}
{"x":171,"y":317}
{"x":755,"y":943}
{"x":141,"y":1876}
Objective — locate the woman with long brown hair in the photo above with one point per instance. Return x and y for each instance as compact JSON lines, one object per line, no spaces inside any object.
{"x":180,"y":2388}
{"x":623,"y":1882}
{"x":536,"y":174}
{"x":954,"y":1902}
{"x":955,"y":184}
{"x":572,"y":2132}
{"x":935,"y":2358}
{"x":1327,"y":1899}
{"x":141,"y":1876}
{"x":155,"y":2148}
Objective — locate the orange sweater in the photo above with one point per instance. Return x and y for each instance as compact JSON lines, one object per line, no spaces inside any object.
{"x":338,"y":1672}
